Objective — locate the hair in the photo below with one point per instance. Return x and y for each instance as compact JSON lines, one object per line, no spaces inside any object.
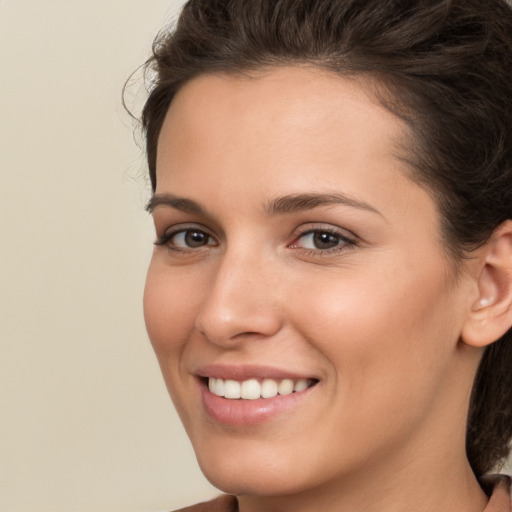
{"x":445,"y":66}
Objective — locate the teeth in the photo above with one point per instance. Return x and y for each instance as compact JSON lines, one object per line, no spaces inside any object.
{"x":232,"y":389}
{"x":217,"y":386}
{"x":253,"y":389}
{"x":301,"y":385}
{"x":268,"y":388}
{"x":285,"y":387}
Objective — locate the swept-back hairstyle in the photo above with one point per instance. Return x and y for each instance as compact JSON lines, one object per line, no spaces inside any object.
{"x":445,"y":66}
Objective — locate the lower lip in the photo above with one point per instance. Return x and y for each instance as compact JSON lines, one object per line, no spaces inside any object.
{"x":249,"y":412}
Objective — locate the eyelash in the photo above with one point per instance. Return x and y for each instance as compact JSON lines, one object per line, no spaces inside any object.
{"x":166,"y":238}
{"x":345,"y":242}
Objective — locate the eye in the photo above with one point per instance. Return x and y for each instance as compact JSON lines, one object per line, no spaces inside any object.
{"x":322,"y":240}
{"x":191,"y":238}
{"x":186,"y":239}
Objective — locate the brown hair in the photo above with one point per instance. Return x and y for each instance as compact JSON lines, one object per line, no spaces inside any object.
{"x":445,"y":66}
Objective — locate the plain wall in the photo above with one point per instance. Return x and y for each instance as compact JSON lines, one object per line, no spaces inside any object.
{"x":85,"y":420}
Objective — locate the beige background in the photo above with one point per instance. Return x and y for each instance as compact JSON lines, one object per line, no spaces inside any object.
{"x":85,"y":421}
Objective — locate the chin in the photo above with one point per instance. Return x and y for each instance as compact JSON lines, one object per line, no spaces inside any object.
{"x":253,"y":481}
{"x":255,"y":470}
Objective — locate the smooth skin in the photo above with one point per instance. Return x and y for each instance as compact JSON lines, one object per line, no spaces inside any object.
{"x":353,"y":288}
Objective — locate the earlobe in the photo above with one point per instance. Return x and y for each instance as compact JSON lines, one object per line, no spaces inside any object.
{"x":491,"y":314}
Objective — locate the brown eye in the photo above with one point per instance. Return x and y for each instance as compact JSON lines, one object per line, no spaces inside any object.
{"x":320,"y":240}
{"x":190,"y":239}
{"x":324,"y":240}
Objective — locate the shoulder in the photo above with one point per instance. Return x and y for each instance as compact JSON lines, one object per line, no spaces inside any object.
{"x":223,"y":503}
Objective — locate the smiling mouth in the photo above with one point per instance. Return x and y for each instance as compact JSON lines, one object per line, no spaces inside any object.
{"x":254,"y":389}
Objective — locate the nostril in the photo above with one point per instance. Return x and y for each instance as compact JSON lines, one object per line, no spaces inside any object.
{"x":231,"y":330}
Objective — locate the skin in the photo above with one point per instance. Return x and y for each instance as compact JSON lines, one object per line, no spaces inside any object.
{"x":377,"y":320}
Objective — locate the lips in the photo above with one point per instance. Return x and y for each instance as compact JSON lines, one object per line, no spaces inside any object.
{"x":243,"y":396}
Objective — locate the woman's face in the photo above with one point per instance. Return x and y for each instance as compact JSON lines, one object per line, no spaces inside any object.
{"x":293,"y":247}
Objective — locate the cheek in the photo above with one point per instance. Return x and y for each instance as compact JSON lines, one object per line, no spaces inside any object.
{"x":378,"y":331}
{"x":169,"y":311}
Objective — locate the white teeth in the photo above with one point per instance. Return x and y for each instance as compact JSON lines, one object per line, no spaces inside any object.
{"x":301,"y":385}
{"x":231,"y":389}
{"x":285,"y":387}
{"x":252,"y":389}
{"x":220,"y":387}
{"x":268,"y":388}
{"x":217,"y":386}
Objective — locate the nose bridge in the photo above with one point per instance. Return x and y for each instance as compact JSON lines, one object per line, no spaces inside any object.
{"x":240,"y":299}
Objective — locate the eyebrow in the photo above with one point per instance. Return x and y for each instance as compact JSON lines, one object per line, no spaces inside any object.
{"x":282,"y":205}
{"x":179,"y":203}
{"x":301,"y":202}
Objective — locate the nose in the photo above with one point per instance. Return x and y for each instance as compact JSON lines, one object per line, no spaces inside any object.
{"x":241,"y":302}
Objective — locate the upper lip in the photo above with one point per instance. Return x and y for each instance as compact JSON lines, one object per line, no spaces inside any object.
{"x":245,"y":372}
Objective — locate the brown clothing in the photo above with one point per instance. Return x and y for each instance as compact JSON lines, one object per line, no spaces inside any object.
{"x":223,"y":503}
{"x":499,"y":500}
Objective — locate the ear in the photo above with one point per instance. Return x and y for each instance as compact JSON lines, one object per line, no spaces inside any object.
{"x":491,"y":314}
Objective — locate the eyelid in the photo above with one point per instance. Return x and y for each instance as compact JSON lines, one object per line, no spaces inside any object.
{"x":347,"y":238}
{"x":172,"y":231}
{"x":313,"y":227}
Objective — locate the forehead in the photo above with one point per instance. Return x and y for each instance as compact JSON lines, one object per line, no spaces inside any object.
{"x":282,"y":131}
{"x":292,"y":108}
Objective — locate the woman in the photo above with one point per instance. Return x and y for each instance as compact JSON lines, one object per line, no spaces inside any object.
{"x":330,"y":293}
